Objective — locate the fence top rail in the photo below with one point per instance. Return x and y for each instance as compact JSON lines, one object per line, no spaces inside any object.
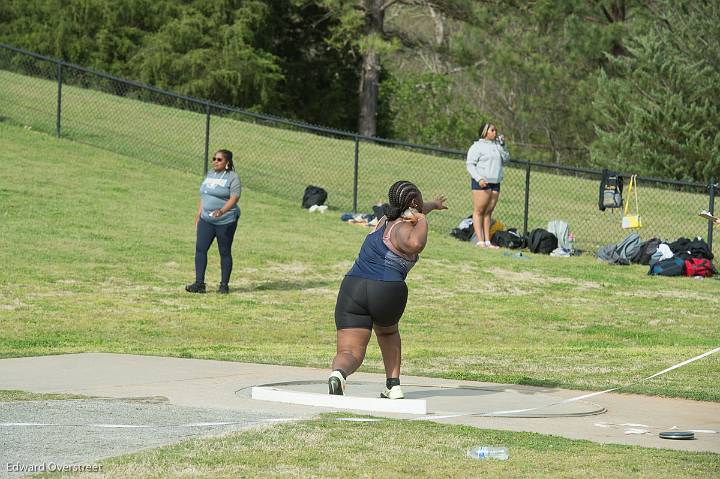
{"x":576,"y":169}
{"x":332,"y":131}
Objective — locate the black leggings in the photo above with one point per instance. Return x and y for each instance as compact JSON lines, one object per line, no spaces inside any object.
{"x":363,"y":302}
{"x":206,"y":233}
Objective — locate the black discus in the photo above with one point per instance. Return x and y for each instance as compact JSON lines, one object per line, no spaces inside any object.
{"x":677,"y":435}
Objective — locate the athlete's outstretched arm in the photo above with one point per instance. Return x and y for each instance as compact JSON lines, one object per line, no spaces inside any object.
{"x":437,"y":204}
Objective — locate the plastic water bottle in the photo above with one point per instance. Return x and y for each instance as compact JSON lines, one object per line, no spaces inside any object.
{"x":571,"y":240}
{"x":488,"y":452}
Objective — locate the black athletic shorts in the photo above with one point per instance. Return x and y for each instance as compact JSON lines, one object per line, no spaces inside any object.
{"x":363,"y":302}
{"x":490,"y":186}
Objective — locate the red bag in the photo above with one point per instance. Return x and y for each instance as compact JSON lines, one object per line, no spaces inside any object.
{"x":699,"y":267}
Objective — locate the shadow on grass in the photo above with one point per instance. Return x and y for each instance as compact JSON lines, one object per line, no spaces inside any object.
{"x":282,"y":286}
{"x":546,"y":383}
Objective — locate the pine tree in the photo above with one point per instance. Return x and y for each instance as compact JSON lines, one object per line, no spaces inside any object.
{"x":659,"y":113}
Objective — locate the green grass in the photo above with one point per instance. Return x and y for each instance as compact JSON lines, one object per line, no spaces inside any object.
{"x":96,"y":248}
{"x":391,"y":448}
{"x":283,"y":162}
{"x":97,"y":241}
{"x":11,"y":395}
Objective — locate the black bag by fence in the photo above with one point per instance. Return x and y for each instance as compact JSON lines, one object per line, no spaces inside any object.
{"x":463,"y":234}
{"x":698,"y":248}
{"x":314,"y":195}
{"x":686,"y":248}
{"x":542,"y":241}
{"x":611,"y":187}
{"x":647,"y":249}
{"x":508,"y":239}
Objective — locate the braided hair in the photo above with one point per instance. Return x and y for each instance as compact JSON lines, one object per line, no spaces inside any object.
{"x":400,"y":196}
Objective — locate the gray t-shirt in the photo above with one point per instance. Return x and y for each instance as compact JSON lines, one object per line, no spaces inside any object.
{"x":215,"y":190}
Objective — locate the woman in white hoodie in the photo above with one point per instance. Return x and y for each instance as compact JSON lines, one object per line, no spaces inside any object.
{"x":485,"y":160}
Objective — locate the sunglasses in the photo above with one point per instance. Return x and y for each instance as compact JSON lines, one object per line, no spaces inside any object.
{"x":218,"y":159}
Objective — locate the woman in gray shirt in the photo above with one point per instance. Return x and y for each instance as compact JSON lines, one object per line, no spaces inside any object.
{"x":217,"y":217}
{"x":485,"y":160}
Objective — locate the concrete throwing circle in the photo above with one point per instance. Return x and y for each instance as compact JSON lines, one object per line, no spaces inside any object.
{"x":465,"y":400}
{"x":82,"y":431}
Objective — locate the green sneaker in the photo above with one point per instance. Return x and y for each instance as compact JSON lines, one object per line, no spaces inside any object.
{"x":336,"y":384}
{"x":393,"y":393}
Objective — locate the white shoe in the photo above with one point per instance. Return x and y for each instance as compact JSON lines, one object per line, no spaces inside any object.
{"x":336,"y":384}
{"x":393,"y":393}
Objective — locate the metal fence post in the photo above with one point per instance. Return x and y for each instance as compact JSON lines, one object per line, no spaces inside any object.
{"x":355,"y":179}
{"x":59,"y":99}
{"x":527,"y":198}
{"x":207,"y":136}
{"x":711,"y":209}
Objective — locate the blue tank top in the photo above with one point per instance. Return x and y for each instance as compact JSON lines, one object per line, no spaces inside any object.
{"x":377,"y":261}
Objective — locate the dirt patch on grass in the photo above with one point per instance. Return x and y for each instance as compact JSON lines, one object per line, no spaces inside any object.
{"x":529,"y":277}
{"x":176,"y":303}
{"x":675,"y":294}
{"x":321,"y":291}
{"x":51,"y":294}
{"x":490,"y":289}
{"x":113,"y":285}
{"x":656,"y":322}
{"x":294,"y":268}
{"x":12,"y":305}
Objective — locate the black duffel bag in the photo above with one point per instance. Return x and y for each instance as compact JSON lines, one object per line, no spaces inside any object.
{"x":508,"y":239}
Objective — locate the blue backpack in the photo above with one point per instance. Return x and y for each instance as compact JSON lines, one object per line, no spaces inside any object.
{"x":668,"y":267}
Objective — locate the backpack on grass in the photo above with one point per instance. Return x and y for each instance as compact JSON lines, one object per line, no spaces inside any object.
{"x":462,"y":234}
{"x":629,"y":247}
{"x":668,"y":267}
{"x":647,"y":249}
{"x":314,"y":195}
{"x":561,"y":230}
{"x":464,"y":230}
{"x":542,"y":241}
{"x":699,"y":267}
{"x":686,"y":248}
{"x":508,"y":239}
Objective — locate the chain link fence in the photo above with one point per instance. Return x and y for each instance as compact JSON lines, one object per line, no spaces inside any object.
{"x":282,"y":157}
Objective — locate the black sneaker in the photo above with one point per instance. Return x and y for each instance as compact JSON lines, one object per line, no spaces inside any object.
{"x":223,"y":289}
{"x":195,"y":288}
{"x":336,"y":384}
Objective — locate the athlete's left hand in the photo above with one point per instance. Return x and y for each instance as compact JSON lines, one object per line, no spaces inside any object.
{"x":440,"y":203}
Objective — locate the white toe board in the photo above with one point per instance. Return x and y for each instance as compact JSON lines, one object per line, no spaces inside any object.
{"x":402,"y":406}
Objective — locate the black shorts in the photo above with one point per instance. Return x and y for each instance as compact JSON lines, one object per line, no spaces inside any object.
{"x":363,"y":302}
{"x":490,"y":186}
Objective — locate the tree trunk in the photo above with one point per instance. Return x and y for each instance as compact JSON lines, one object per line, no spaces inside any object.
{"x":370,"y":74}
{"x":616,"y":12}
